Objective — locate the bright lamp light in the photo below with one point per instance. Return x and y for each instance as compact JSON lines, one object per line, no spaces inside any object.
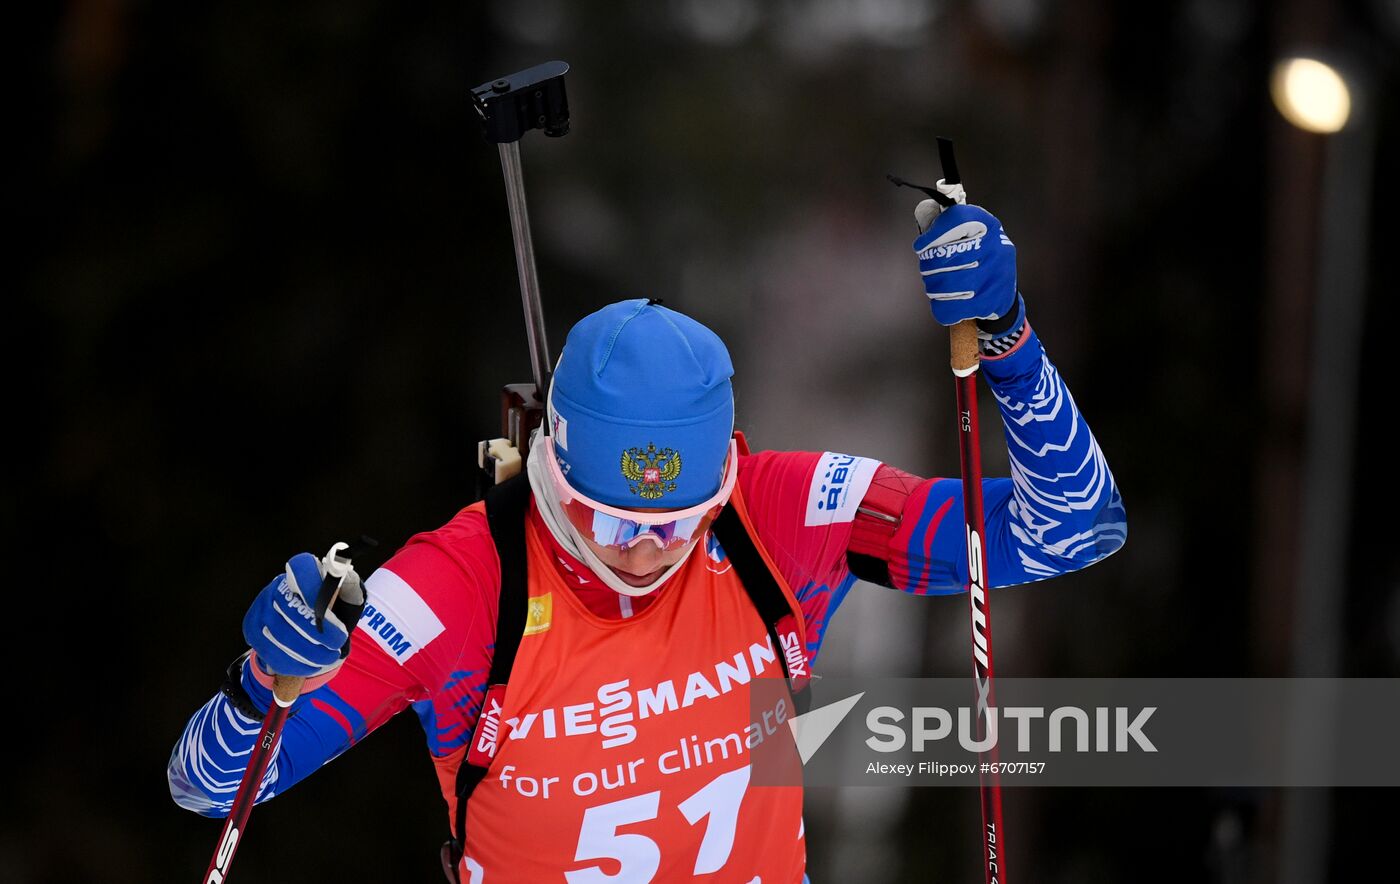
{"x":1311,"y":95}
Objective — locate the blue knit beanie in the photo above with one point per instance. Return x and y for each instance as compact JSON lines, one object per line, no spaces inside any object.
{"x":641,"y":407}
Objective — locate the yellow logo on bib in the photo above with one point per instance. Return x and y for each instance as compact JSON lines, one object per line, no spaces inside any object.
{"x":537,"y":617}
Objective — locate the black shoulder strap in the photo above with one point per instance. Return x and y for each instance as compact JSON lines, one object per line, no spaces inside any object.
{"x":759,"y":583}
{"x":506,"y":506}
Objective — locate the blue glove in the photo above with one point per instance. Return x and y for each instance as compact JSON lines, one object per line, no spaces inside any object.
{"x":968,"y":265}
{"x":281,"y":624}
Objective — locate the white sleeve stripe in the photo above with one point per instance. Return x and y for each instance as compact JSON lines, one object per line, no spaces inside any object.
{"x":198,"y":779}
{"x":1091,"y":452}
{"x":207,"y":781}
{"x":201,"y":752}
{"x":1069,"y":501}
{"x":1091,"y":457}
{"x":240,"y":723}
{"x":219,"y":735}
{"x":1060,"y":479}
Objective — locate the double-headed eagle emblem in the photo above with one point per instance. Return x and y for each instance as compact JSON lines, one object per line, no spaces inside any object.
{"x":651,"y":473}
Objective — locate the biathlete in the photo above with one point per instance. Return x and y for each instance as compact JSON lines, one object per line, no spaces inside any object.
{"x":660,"y":566}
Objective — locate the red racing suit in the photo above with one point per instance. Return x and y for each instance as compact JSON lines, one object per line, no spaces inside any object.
{"x":427,"y":632}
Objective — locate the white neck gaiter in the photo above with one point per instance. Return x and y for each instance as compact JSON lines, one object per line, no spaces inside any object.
{"x":564,"y":532}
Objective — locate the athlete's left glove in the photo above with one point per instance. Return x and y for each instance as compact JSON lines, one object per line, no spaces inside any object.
{"x":967,"y":262}
{"x":281,"y":627}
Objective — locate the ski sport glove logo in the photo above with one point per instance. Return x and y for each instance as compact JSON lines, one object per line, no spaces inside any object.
{"x":968,"y":266}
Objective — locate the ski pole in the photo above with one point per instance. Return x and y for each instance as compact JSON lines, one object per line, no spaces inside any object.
{"x":964,"y":347}
{"x":285,"y":690}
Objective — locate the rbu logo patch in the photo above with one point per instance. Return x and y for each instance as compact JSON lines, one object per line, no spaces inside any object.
{"x":838,"y":484}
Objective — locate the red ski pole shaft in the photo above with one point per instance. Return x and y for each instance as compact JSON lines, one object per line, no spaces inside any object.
{"x":965,"y":362}
{"x":335,"y":567}
{"x":285,"y":689}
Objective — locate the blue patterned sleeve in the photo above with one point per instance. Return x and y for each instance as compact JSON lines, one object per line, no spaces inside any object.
{"x":208,"y":761}
{"x":1058,"y":512}
{"x":1063,"y":510}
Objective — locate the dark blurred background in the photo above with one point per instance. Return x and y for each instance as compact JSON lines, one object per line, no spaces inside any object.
{"x":267,"y":297}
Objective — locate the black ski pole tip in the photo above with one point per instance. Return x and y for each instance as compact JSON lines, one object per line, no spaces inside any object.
{"x":950,"y":162}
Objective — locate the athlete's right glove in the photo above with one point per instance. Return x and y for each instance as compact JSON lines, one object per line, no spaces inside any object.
{"x":281,"y":625}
